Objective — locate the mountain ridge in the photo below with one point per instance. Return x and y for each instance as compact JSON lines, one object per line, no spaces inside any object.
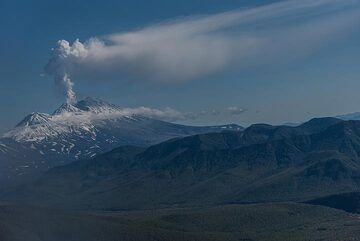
{"x":261,"y":164}
{"x":83,"y":130}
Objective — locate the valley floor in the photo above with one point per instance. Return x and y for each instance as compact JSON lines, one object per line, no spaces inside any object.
{"x":280,"y":221}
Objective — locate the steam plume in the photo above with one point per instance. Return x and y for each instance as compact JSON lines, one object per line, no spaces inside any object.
{"x":61,"y":64}
{"x":70,"y":94}
{"x":194,"y":47}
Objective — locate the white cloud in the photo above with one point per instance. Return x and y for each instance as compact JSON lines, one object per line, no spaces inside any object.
{"x":167,"y":114}
{"x":170,"y":114}
{"x":234,"y":110}
{"x":194,"y":47}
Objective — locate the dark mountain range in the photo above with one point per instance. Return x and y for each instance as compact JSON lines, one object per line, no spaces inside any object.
{"x":90,"y":127}
{"x":261,"y":164}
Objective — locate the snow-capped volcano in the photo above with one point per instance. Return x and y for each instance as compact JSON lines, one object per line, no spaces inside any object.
{"x":66,"y":108}
{"x":83,"y":130}
{"x":96,"y":105}
{"x":34,"y":119}
{"x":81,"y":118}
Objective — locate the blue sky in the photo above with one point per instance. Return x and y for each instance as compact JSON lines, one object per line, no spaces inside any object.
{"x":297,"y":64}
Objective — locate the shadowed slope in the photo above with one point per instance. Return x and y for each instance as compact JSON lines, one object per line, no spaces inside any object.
{"x":264,"y":163}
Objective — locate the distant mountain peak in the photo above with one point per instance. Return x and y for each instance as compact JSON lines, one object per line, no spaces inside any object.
{"x":87,"y":128}
{"x":317,"y":124}
{"x":34,"y":118}
{"x":350,"y":116}
{"x":95,"y":105}
{"x":79,"y":131}
{"x":66,"y":108}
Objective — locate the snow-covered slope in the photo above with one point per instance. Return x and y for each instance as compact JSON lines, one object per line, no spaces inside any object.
{"x":351,"y":116}
{"x":83,"y":130}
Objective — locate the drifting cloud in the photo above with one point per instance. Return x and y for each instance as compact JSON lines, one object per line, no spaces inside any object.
{"x":167,"y":114}
{"x":234,"y":110}
{"x":194,"y":47}
{"x":172,"y":115}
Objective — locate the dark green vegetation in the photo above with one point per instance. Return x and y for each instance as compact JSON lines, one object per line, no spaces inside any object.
{"x":268,"y":222}
{"x":262,"y":164}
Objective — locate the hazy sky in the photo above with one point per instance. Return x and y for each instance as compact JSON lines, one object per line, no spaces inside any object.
{"x":218,"y":61}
